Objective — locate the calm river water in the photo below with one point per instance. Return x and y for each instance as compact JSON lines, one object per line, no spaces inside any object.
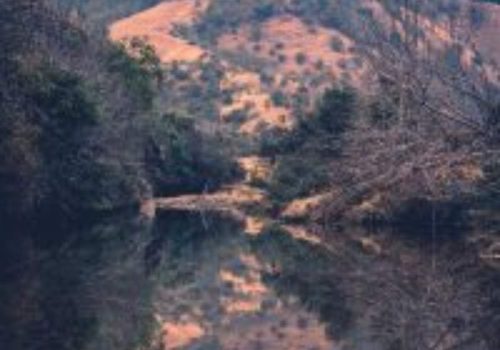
{"x":187,"y":282}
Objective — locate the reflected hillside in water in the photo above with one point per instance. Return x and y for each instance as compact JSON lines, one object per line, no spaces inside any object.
{"x":187,"y":281}
{"x":378,"y":292}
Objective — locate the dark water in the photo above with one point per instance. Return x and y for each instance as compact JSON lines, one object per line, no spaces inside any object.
{"x":188,"y":282}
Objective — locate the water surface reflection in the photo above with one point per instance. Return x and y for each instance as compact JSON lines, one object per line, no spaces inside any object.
{"x":190,"y":282}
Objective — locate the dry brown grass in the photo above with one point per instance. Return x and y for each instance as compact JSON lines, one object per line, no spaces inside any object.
{"x":255,"y":168}
{"x":250,"y":96}
{"x":156,"y":24}
{"x":180,"y":335}
{"x":289,"y":36}
{"x":285,"y":37}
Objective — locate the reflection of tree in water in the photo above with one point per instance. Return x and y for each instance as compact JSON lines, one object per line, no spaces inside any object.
{"x":308,"y":272}
{"x":179,"y":238}
{"x":411,"y":296}
{"x":211,"y":287}
{"x":96,"y":290}
{"x":102,"y":289}
{"x":489,"y":322}
{"x":78,"y":294}
{"x":185,"y":257}
{"x":417,"y":301}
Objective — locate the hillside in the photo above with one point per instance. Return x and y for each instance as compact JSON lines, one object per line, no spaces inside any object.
{"x":296,"y":51}
{"x":272,"y":61}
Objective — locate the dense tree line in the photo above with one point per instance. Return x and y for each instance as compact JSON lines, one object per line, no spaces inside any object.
{"x":79,"y":127}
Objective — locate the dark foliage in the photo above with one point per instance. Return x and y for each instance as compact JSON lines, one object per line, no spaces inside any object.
{"x":303,"y":165}
{"x":427,"y":220}
{"x":78,"y":125}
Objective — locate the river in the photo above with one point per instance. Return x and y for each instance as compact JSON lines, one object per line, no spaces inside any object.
{"x":199,"y":281}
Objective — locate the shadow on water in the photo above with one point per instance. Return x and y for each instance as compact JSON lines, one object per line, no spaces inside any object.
{"x":74,"y":294}
{"x":190,"y":282}
{"x":420,"y":294}
{"x":425,"y":221}
{"x":93,"y":286}
{"x":180,"y":235}
{"x":406,"y":293}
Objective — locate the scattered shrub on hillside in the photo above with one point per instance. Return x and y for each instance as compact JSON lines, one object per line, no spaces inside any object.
{"x":266,"y":78}
{"x":337,"y":44}
{"x":336,"y":109}
{"x":279,"y":46}
{"x":319,"y":65}
{"x":279,"y":98}
{"x":300,"y":58}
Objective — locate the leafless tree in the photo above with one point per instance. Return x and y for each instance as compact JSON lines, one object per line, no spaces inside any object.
{"x":436,"y":140}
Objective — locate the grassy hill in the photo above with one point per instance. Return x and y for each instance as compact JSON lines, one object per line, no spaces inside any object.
{"x":269,"y":69}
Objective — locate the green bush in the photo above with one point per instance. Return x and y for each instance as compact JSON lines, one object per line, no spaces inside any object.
{"x":64,"y":114}
{"x":179,"y":159}
{"x":296,"y":176}
{"x":64,"y":102}
{"x":300,"y":58}
{"x":320,"y":132}
{"x":335,"y":110}
{"x":136,"y":73}
{"x":279,"y":98}
{"x":336,"y":44}
{"x":306,"y":153}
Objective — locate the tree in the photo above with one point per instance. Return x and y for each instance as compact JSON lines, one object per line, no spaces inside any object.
{"x":336,"y":110}
{"x":433,"y":118}
{"x":77,"y":119}
{"x":300,"y":58}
